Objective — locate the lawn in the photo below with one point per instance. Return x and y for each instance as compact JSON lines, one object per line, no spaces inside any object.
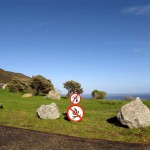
{"x":21,"y":112}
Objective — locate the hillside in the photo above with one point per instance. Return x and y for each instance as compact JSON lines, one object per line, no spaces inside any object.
{"x":6,"y":76}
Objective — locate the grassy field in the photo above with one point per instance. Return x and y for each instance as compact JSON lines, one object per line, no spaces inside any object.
{"x":21,"y":112}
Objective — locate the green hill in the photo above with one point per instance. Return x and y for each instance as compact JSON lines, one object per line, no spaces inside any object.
{"x":6,"y":76}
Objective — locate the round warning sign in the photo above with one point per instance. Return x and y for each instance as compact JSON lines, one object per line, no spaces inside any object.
{"x":75,"y":98}
{"x":75,"y":113}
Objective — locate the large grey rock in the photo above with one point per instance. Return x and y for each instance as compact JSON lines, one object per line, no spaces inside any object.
{"x":54,"y":95}
{"x":134,"y":114}
{"x":48,"y":111}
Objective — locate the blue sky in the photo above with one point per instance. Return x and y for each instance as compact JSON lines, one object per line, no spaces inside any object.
{"x":102,"y":44}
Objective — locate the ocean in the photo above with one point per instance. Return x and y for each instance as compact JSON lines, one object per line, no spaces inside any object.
{"x":143,"y":96}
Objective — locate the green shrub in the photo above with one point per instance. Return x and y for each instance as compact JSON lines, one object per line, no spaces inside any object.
{"x":40,"y":85}
{"x":17,"y":85}
{"x":99,"y":94}
{"x":72,"y":87}
{"x":129,"y":98}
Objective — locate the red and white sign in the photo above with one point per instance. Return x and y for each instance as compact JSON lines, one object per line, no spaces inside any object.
{"x":75,"y":113}
{"x":75,"y":98}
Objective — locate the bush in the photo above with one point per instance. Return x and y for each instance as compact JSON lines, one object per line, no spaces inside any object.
{"x":17,"y":85}
{"x":99,"y":94}
{"x":40,"y":85}
{"x":72,"y":87}
{"x":128,"y":98}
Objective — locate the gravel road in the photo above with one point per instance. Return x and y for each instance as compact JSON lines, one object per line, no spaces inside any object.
{"x":22,"y":139}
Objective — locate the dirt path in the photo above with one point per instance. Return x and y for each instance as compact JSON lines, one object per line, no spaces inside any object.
{"x":22,"y":139}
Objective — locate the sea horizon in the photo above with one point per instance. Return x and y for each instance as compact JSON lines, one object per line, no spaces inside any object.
{"x":121,"y":96}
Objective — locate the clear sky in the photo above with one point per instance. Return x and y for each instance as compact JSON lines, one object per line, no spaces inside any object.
{"x":102,"y":44}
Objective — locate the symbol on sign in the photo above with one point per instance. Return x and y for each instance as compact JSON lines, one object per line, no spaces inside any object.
{"x":75,"y":98}
{"x":75,"y":113}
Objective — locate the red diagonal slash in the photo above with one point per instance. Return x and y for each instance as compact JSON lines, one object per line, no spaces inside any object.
{"x":75,"y":98}
{"x":75,"y":113}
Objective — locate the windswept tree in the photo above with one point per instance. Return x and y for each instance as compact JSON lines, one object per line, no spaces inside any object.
{"x":17,"y":85}
{"x":40,"y":85}
{"x":99,"y":94}
{"x":72,"y":87}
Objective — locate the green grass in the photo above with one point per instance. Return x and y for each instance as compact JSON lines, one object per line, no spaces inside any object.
{"x":21,"y":112}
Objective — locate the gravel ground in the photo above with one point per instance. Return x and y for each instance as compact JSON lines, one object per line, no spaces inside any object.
{"x":22,"y":139}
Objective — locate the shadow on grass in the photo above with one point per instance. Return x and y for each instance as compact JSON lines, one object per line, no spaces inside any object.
{"x":115,"y":121}
{"x":38,"y":115}
{"x":66,"y":117}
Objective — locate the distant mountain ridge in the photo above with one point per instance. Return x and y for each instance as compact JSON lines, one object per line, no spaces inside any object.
{"x":6,"y":76}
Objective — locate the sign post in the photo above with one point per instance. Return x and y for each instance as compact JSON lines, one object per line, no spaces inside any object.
{"x":75,"y":98}
{"x":75,"y":112}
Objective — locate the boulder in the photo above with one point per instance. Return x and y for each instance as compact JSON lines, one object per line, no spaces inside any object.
{"x":48,"y":111}
{"x":1,"y":105}
{"x":54,"y":95}
{"x":4,"y":86}
{"x":134,"y":114}
{"x":27,"y":95}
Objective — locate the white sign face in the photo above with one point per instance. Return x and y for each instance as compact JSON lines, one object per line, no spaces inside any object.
{"x":75,"y":98}
{"x":75,"y":113}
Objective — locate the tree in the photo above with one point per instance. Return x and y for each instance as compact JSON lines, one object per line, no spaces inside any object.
{"x":72,"y":87}
{"x":99,"y":94}
{"x":40,"y":85}
{"x":17,"y":85}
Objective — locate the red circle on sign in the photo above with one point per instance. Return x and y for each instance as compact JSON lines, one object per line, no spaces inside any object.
{"x":75,"y":98}
{"x":70,"y":108}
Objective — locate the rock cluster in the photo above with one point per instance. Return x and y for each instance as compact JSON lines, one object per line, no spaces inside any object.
{"x":134,"y":114}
